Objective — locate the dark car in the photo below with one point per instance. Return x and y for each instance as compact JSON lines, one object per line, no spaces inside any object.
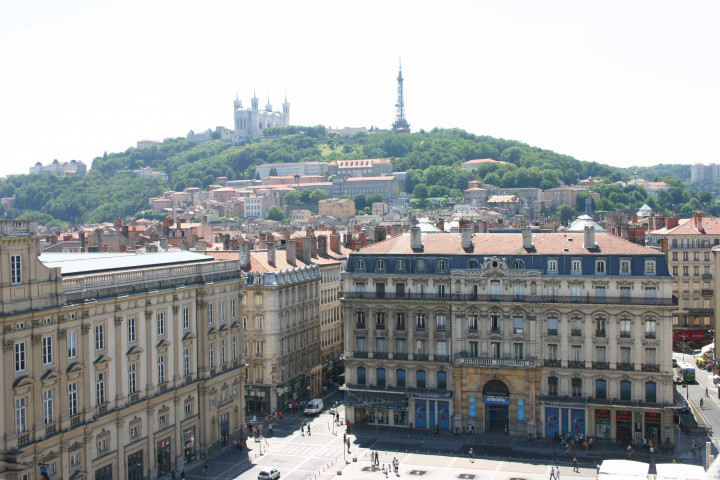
{"x":269,"y":475}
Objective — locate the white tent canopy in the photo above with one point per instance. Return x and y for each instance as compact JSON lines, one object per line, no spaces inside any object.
{"x":679,"y":471}
{"x":623,"y":470}
{"x":707,"y":348}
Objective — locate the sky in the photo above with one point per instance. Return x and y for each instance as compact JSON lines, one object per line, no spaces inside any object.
{"x":617,"y":82}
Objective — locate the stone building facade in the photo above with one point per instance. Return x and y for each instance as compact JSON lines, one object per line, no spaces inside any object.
{"x":529,"y":334}
{"x":117,"y":365}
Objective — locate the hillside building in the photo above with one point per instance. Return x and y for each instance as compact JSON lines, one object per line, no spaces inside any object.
{"x":250,"y":122}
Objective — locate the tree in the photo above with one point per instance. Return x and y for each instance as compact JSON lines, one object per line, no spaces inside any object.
{"x":360,"y":202}
{"x":318,"y":195}
{"x":273,"y":172}
{"x":420,"y":191}
{"x":275,"y":213}
{"x":293,"y":198}
{"x":566,"y":213}
{"x":375,"y":198}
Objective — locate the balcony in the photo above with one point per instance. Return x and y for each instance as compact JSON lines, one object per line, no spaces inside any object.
{"x":495,"y":331}
{"x":600,"y":333}
{"x":134,"y":398}
{"x":360,"y":326}
{"x":470,"y":297}
{"x":472,"y":330}
{"x":163,"y":387}
{"x":23,"y":439}
{"x":420,"y":357}
{"x":101,"y":409}
{"x":553,"y":363}
{"x":400,"y":327}
{"x":379,"y":326}
{"x":701,"y":311}
{"x":552,"y":332}
{"x":50,"y":430}
{"x":707,"y":276}
{"x":360,"y":354}
{"x":625,"y":367}
{"x":188,"y":378}
{"x":442,"y":358}
{"x":650,"y":367}
{"x":625,"y":335}
{"x":707,"y":291}
{"x":650,"y":335}
{"x":74,"y":421}
{"x":400,"y":356}
{"x":600,"y":365}
{"x":419,"y":328}
{"x":441,"y":328}
{"x":382,"y":355}
{"x":492,"y":362}
{"x":576,"y":364}
{"x":576,"y":332}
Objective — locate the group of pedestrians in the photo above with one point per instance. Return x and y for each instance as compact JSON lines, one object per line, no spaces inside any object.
{"x":555,"y":473}
{"x":375,"y":462}
{"x":302,"y":429}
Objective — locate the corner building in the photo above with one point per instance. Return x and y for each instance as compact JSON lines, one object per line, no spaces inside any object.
{"x":523,"y":333}
{"x":115,"y":365}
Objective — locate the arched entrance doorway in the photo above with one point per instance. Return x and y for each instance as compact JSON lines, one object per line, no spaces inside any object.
{"x":496,"y":400}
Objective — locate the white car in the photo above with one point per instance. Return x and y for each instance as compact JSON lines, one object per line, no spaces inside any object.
{"x":269,"y":475}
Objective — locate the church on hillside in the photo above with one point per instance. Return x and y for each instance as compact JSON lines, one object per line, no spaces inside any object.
{"x":250,"y":122}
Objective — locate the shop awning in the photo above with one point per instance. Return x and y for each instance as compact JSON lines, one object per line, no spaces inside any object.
{"x":393,"y":401}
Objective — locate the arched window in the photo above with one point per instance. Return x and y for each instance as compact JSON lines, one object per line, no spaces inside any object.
{"x":421,"y":381}
{"x":625,"y":390}
{"x":442,"y":380}
{"x":380,"y":375}
{"x":361,"y":377}
{"x":400,"y":377}
{"x":651,"y":392}
{"x":518,"y":264}
{"x":472,"y":263}
{"x":552,"y":385}
{"x":600,"y":389}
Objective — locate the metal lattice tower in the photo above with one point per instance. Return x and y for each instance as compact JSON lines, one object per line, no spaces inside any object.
{"x":400,"y":125}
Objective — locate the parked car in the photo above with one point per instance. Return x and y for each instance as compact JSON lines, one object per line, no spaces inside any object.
{"x":269,"y":475}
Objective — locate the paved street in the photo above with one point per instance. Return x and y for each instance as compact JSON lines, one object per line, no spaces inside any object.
{"x":711,"y":404}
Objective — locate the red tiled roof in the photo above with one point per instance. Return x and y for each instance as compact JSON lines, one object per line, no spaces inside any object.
{"x":364,"y":179}
{"x":511,"y":244}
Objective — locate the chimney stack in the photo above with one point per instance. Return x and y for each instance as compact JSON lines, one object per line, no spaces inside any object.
{"x":415,"y":238}
{"x":335,"y":242}
{"x":322,"y":241}
{"x":271,"y":252}
{"x":589,"y":237}
{"x":466,"y":233}
{"x":290,"y":250}
{"x":699,"y":222}
{"x":314,"y":246}
{"x":244,"y":248}
{"x":527,"y":238}
{"x":306,"y":246}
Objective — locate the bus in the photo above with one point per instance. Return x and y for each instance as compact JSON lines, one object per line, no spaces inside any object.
{"x":685,"y":372}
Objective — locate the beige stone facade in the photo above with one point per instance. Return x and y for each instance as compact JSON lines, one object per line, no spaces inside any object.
{"x":116,"y":367}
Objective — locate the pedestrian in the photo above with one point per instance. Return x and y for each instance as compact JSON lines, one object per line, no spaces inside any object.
{"x":182,"y":475}
{"x":472,"y":455}
{"x":348,"y":444}
{"x":575,"y":465}
{"x":205,"y":467}
{"x":172,"y":474}
{"x":302,"y":428}
{"x":701,"y":403}
{"x":337,"y":418}
{"x":240,"y":445}
{"x":271,"y":430}
{"x":308,"y":429}
{"x":372,"y":459}
{"x":552,"y":472}
{"x":436,"y":430}
{"x":377,"y":459}
{"x":557,"y":472}
{"x":706,"y":392}
{"x":396,"y":465}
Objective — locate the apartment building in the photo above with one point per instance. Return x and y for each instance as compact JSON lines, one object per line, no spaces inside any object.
{"x":688,"y":245}
{"x":527,"y":334}
{"x":282,"y":324}
{"x":341,"y":208}
{"x":117,"y":365}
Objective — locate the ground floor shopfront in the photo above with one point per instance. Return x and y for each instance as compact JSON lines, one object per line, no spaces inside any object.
{"x":412,"y":410}
{"x":622,"y":423}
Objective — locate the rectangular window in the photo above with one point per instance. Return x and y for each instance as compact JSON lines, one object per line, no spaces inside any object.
{"x":552,"y":326}
{"x":441,"y":323}
{"x":625,"y":267}
{"x":600,"y":354}
{"x":400,"y":346}
{"x":132,"y":378}
{"x":518,"y":351}
{"x":222,"y":311}
{"x":650,"y":356}
{"x":161,"y":369}
{"x":210,"y":313}
{"x":400,"y":378}
{"x":420,"y":347}
{"x":473,"y":323}
{"x":441,"y":291}
{"x":48,"y":417}
{"x":222,"y":351}
{"x":600,"y":266}
{"x":518,"y":325}
{"x":15,"y":269}
{"x":441,"y":348}
{"x":576,"y":292}
{"x":650,"y":329}
{"x":100,"y":388}
{"x":495,"y":323}
{"x":211,"y":355}
{"x":21,"y":415}
{"x":380,"y":265}
{"x":600,"y":292}
{"x":233,"y":347}
{"x":160,"y":324}
{"x":624,"y":292}
{"x":186,"y":361}
{"x":99,"y":337}
{"x":576,"y":266}
{"x":576,"y":353}
{"x":233,"y":310}
{"x":625,"y":355}
{"x":474,"y":350}
{"x":495,"y":349}
{"x":649,"y":267}
{"x":552,"y":266}
{"x":20,"y":364}
{"x":47,"y":351}
{"x":552,"y":352}
{"x":186,"y":318}
{"x":72,"y":344}
{"x":72,"y":399}
{"x":420,"y":321}
{"x":131,"y":331}
{"x":361,"y":344}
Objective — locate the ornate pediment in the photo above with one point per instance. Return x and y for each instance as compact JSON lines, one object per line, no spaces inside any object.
{"x":163,"y":409}
{"x":188,"y":337}
{"x":133,"y":351}
{"x":75,"y":367}
{"x":102,"y":361}
{"x":24,"y":381}
{"x":49,"y":375}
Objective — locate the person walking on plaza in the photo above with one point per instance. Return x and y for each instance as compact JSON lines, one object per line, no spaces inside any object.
{"x":308,"y":429}
{"x":396,"y":465}
{"x":557,"y":472}
{"x":575,"y":465}
{"x":472,"y":455}
{"x":552,"y":472}
{"x":302,"y":428}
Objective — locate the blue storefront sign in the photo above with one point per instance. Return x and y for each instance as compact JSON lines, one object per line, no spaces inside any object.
{"x":444,"y":414}
{"x":496,"y":400}
{"x":521,"y":410}
{"x":421,"y":414}
{"x":552,"y":421}
{"x":472,"y":406}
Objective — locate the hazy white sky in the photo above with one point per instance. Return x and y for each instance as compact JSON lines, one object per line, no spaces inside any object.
{"x":615,"y":82}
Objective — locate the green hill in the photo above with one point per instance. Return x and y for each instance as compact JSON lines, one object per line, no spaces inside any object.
{"x":432,"y":161}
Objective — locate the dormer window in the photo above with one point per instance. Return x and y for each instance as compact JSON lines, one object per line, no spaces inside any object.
{"x":400,"y":264}
{"x":380,"y":265}
{"x":576,"y":266}
{"x":552,"y":266}
{"x":649,"y":267}
{"x":600,"y":266}
{"x":441,"y":264}
{"x":361,"y":264}
{"x":472,"y":263}
{"x":421,"y":264}
{"x":625,"y":267}
{"x":518,"y":264}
